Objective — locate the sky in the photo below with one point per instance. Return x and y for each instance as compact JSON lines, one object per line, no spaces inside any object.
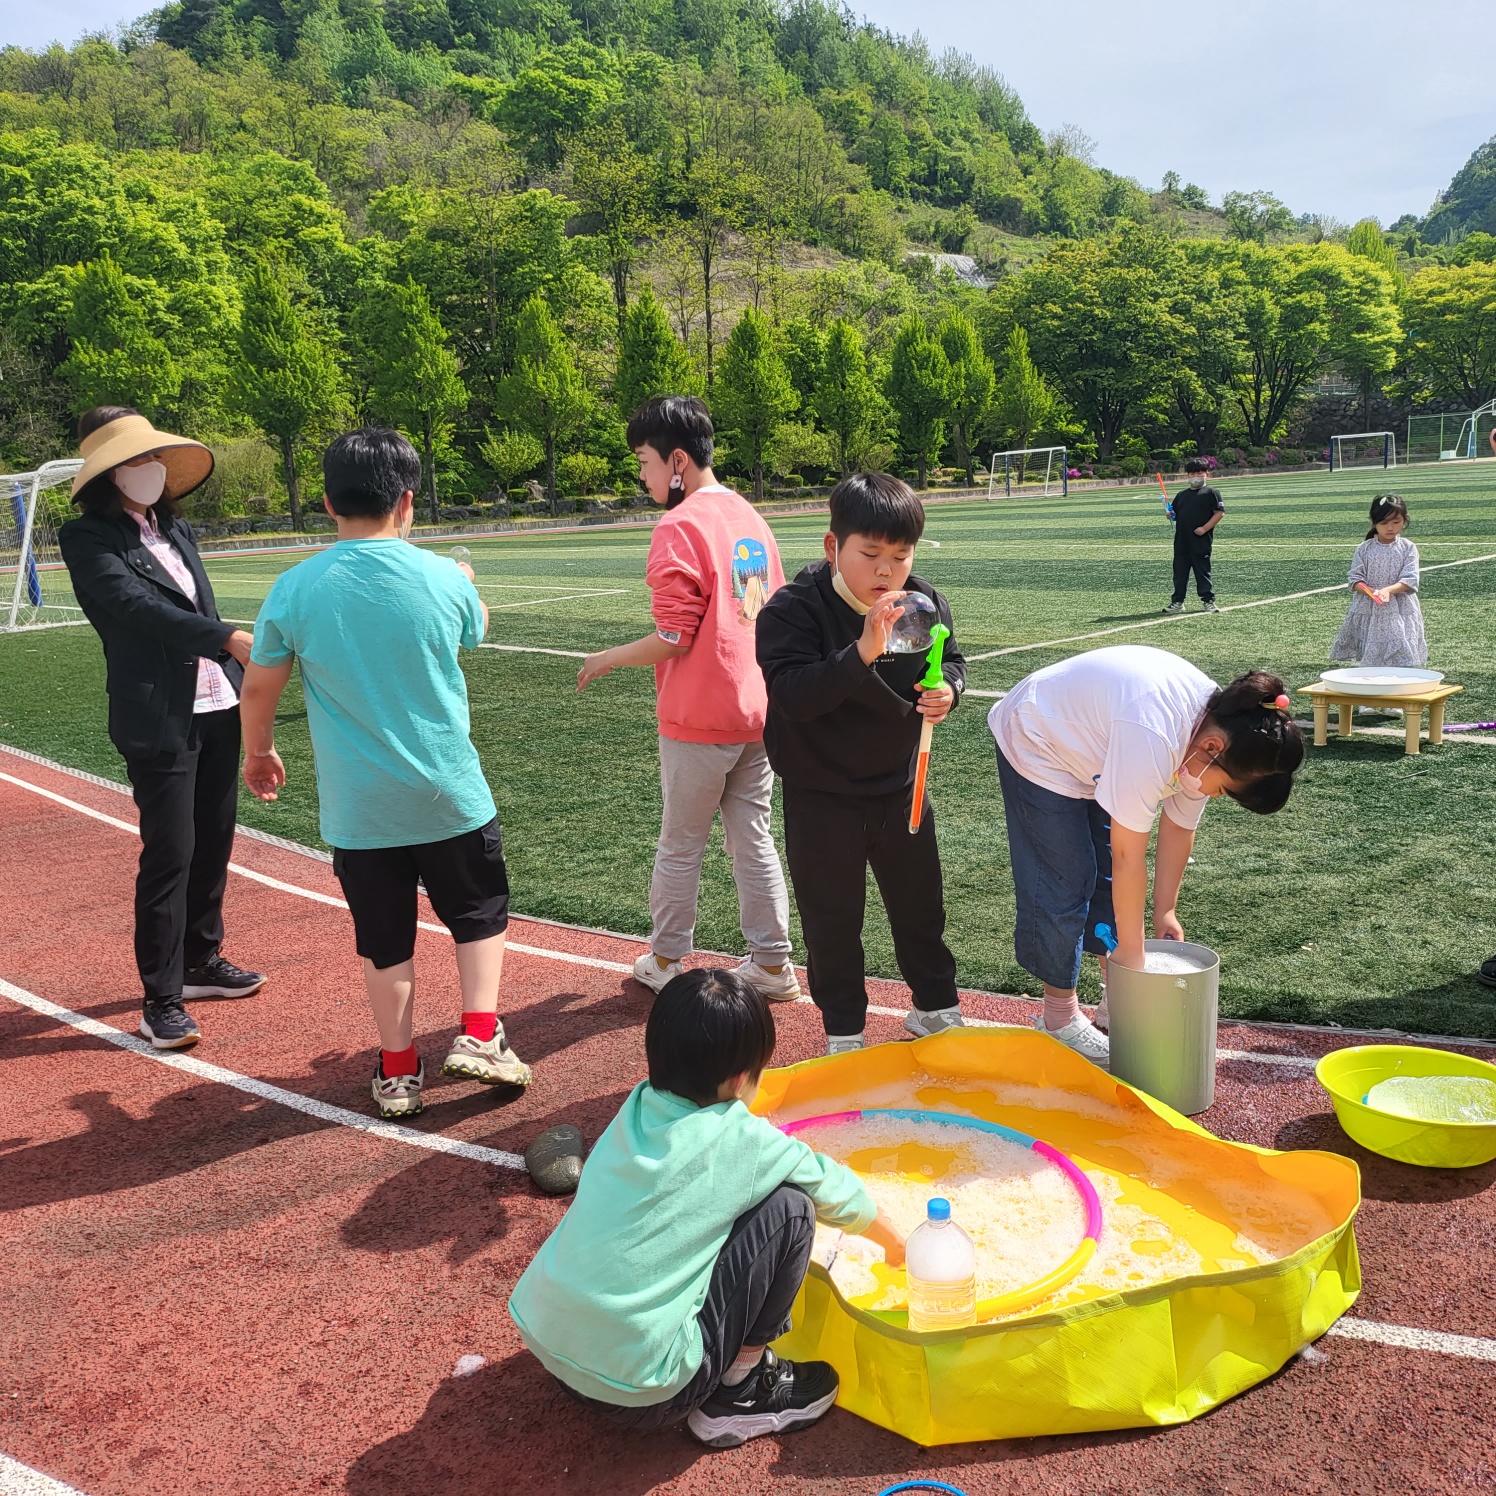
{"x":1348,"y":109}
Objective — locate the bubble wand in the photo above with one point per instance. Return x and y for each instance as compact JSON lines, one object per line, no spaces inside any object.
{"x":932,"y":680}
{"x":1168,"y":507}
{"x":1362,"y":587}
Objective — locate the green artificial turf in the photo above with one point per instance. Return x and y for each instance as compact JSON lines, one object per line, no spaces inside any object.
{"x":1368,"y":902}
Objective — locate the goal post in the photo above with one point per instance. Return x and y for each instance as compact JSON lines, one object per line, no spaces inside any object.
{"x":34,"y":587}
{"x":1013,"y":467}
{"x":1452,"y":436}
{"x":1363,"y":449}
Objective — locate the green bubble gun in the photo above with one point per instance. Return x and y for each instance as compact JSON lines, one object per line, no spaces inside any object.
{"x":932,"y":679}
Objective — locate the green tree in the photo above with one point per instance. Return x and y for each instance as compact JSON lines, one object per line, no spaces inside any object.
{"x":919,"y":389}
{"x":847,"y":400}
{"x":284,"y":377}
{"x":1468,"y":204}
{"x":615,"y":184}
{"x":412,"y":376}
{"x":1361,"y":300}
{"x":115,"y":358}
{"x":651,"y":360}
{"x":973,"y":381}
{"x":754,"y":394}
{"x":1255,"y":216}
{"x":545,"y":394}
{"x":556,"y":97}
{"x":1024,"y":406}
{"x":511,"y":454}
{"x":1451,"y":316}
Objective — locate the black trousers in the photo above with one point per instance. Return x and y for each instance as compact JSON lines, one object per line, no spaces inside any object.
{"x":758,"y":1273}
{"x":187,"y":804}
{"x":830,"y":842}
{"x":1193,"y":557}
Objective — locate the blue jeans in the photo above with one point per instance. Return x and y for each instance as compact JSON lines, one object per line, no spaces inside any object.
{"x":1061,"y":850}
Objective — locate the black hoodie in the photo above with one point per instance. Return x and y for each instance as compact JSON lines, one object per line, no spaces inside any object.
{"x":835,"y":724}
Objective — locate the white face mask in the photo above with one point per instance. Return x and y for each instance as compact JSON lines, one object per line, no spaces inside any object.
{"x":143,"y":484}
{"x":1192,"y":784}
{"x":1197,"y":480}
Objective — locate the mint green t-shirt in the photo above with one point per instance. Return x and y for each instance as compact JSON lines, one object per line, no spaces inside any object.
{"x":376,"y":625}
{"x":609,"y":1303}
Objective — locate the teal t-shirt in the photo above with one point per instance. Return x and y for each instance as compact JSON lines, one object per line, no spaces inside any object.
{"x":376,"y":625}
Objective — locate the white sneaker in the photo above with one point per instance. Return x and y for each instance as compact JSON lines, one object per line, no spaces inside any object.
{"x":399,"y":1095}
{"x":1209,"y":608}
{"x":647,"y":970}
{"x":781,"y":988}
{"x":1083,"y":1037}
{"x":1102,"y":1017}
{"x":923,"y":1022}
{"x":844,"y":1043}
{"x":492,"y":1061}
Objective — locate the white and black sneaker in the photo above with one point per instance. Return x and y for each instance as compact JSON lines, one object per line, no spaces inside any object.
{"x":1173,"y":608}
{"x":774,"y":1398}
{"x":167,"y":1024}
{"x":219,"y":978}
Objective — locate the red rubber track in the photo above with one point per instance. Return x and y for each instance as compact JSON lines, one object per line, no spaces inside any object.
{"x":210,"y":1292}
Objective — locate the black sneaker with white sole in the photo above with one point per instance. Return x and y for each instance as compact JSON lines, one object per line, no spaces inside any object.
{"x":167,"y":1024}
{"x":776,"y":1397}
{"x":219,"y":978}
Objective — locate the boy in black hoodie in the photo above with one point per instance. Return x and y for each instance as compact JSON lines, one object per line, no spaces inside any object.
{"x":842,"y":733}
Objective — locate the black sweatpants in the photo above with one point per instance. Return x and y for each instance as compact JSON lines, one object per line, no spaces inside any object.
{"x":1193,"y":557}
{"x":758,"y":1273}
{"x":187,"y":803}
{"x":830,"y":841}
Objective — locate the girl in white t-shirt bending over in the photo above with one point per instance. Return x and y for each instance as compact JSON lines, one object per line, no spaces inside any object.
{"x":1088,"y":752}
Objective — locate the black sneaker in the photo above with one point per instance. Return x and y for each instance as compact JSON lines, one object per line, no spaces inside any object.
{"x":219,"y":978}
{"x":167,"y":1024}
{"x":774,"y":1398}
{"x":1486,"y":976}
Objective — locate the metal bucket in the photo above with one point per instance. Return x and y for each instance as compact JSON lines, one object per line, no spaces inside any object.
{"x":1163,"y":1027}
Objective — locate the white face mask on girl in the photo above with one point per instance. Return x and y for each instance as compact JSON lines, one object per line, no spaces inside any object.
{"x":143,"y":484}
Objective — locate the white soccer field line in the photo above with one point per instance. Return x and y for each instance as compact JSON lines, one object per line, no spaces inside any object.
{"x":1151,"y":623}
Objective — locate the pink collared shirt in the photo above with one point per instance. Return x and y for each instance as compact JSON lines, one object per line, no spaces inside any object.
{"x":214,"y":693}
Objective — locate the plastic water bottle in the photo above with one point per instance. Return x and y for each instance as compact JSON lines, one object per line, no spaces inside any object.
{"x":941,"y":1265}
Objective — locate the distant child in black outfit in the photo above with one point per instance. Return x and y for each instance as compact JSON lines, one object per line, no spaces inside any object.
{"x":1196,"y":511}
{"x":842,"y":733}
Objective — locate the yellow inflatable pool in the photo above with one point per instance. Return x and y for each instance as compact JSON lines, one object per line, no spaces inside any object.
{"x":1091,"y":1356}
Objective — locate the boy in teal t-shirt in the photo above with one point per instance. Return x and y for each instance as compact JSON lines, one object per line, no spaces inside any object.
{"x":376,"y":625}
{"x":656,"y":1297}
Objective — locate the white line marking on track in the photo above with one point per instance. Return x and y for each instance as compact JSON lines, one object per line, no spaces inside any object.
{"x":1407,"y":1338}
{"x":434,"y":1142}
{"x":569,"y":597}
{"x":1152,"y":623}
{"x":17,"y":1479}
{"x":535,"y":649}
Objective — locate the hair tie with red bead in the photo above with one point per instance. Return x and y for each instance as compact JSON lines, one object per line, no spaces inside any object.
{"x":1279,"y":703}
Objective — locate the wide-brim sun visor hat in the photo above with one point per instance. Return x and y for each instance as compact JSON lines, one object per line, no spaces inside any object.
{"x":188,"y":463}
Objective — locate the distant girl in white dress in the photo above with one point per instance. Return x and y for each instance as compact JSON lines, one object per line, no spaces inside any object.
{"x":1385,"y":623}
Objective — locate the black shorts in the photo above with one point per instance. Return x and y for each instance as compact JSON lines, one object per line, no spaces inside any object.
{"x":465,"y":879}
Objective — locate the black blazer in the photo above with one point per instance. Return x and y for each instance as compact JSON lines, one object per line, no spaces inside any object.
{"x":152,"y":634}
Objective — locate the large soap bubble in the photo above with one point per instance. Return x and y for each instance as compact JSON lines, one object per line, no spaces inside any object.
{"x":911,"y":630}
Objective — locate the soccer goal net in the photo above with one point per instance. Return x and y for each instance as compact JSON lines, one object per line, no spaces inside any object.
{"x":34,"y":586}
{"x":1452,"y":436}
{"x":1028,"y":467}
{"x":1363,"y":449}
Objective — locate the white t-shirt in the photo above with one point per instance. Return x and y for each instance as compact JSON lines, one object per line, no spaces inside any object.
{"x":1113,"y":726}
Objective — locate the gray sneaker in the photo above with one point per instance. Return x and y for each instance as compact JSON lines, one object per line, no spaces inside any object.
{"x":1083,"y":1037}
{"x":399,"y":1096}
{"x":923,"y":1022}
{"x":491,"y":1062}
{"x":1209,"y":608}
{"x":844,"y":1043}
{"x":1174,"y":608}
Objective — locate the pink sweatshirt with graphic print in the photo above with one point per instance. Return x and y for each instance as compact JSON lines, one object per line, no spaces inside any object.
{"x":712,"y":566}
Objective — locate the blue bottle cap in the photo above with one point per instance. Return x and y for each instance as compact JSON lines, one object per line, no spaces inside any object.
{"x":938,"y":1209}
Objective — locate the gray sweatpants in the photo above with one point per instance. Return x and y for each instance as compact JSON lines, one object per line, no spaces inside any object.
{"x":696,"y":781}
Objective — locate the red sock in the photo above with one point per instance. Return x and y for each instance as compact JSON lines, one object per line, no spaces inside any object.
{"x":398,"y":1062}
{"x":480,"y":1025}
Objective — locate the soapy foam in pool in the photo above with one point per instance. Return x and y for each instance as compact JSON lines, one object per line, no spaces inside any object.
{"x":1435,"y":1098}
{"x":1022,"y":1213}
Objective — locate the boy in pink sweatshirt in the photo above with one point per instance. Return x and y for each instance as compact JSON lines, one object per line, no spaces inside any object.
{"x":712,"y":566}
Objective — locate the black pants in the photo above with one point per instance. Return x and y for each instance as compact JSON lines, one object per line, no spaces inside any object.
{"x":187,"y":804}
{"x":830,"y":842}
{"x":1196,"y":557}
{"x":758,"y":1273}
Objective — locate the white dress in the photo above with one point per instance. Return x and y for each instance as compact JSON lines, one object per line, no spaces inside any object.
{"x":1389,"y":633}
